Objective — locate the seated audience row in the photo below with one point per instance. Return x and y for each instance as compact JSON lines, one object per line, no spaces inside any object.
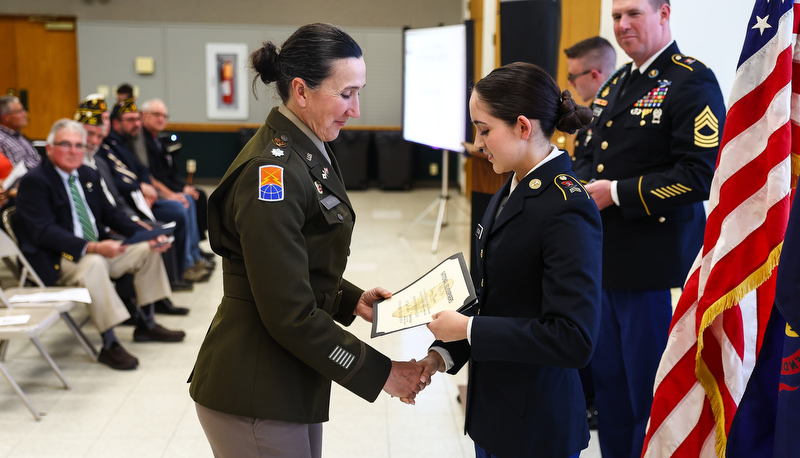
{"x":74,"y":235}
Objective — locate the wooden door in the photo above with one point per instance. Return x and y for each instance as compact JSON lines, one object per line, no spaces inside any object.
{"x":580,"y":19}
{"x":40,"y":57}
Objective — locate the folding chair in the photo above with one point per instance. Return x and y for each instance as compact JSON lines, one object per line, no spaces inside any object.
{"x":39,"y":321}
{"x":8,"y":249}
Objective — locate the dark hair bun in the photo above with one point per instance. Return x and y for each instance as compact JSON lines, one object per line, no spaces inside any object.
{"x":265,"y":62}
{"x":571,"y":116}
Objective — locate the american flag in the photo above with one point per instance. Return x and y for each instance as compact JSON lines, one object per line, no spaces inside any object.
{"x":719,"y":321}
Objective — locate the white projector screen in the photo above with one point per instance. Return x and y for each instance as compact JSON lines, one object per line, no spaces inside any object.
{"x":435,"y":86}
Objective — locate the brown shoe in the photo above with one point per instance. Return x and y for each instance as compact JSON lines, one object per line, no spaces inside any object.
{"x":205,"y":264}
{"x":117,"y":358}
{"x":196,"y":274}
{"x":157,"y":334}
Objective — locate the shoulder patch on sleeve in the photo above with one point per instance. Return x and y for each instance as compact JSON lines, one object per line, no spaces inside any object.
{"x":706,"y":129}
{"x":570,"y":186}
{"x":270,"y":183}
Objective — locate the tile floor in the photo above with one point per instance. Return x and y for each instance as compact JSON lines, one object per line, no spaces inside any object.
{"x":148,"y":412}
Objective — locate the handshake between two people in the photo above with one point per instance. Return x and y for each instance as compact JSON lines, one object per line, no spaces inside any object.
{"x":407,"y":379}
{"x":447,"y":326}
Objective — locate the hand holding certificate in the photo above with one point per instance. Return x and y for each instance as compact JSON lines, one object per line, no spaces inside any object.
{"x":447,"y":287}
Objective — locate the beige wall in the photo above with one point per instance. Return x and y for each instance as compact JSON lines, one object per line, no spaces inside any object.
{"x":360,"y":13}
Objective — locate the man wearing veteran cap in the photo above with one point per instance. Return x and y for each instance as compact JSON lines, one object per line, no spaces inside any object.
{"x":90,"y":114}
{"x":63,"y":221}
{"x":93,"y":114}
{"x":658,"y":122}
{"x":132,"y":177}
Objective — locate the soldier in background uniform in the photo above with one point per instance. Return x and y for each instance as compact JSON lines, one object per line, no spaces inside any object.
{"x":589,"y":64}
{"x":658,"y":124}
{"x":282,"y":222}
{"x":539,"y":246}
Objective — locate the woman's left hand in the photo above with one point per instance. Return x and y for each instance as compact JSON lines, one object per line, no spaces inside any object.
{"x":449,"y":326}
{"x":364,"y":306}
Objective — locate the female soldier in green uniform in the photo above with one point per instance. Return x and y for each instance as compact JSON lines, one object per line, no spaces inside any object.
{"x":281,"y":220}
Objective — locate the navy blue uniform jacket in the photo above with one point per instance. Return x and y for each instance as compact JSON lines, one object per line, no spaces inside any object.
{"x":539,"y":302}
{"x":660,"y":141}
{"x":44,"y":218}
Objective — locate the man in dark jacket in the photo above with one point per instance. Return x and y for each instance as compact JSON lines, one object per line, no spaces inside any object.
{"x":162,"y":154}
{"x":63,"y":223}
{"x":658,"y":122}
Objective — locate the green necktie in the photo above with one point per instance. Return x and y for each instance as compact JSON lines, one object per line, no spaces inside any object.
{"x":83,"y":214}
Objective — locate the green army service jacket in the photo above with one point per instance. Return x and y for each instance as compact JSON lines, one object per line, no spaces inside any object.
{"x":282,"y":222}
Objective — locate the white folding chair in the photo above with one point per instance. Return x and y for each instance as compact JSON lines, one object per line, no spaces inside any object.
{"x":39,"y":320}
{"x":9,"y":250}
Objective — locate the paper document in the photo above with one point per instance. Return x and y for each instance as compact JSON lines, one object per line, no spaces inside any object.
{"x":14,"y":319}
{"x":67,"y":294}
{"x":447,"y":287}
{"x":16,"y":173}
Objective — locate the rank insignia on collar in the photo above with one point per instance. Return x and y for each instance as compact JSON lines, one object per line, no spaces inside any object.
{"x":270,"y":183}
{"x":309,"y":156}
{"x":588,"y":137}
{"x":325,"y":173}
{"x":279,"y":142}
{"x":277,"y":152}
{"x":318,"y":186}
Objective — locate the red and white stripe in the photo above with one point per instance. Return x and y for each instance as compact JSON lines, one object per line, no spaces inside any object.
{"x":719,"y":321}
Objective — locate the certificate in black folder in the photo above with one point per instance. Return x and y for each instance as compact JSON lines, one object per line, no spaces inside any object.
{"x":142,"y":236}
{"x":447,"y":286}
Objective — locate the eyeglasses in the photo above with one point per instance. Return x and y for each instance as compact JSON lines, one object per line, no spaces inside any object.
{"x":157,"y":114}
{"x":67,"y":145}
{"x":131,"y":118}
{"x":571,"y":78}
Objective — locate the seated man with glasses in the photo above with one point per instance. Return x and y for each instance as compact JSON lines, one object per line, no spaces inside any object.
{"x":162,"y":155}
{"x":132,"y":177}
{"x":62,"y":226}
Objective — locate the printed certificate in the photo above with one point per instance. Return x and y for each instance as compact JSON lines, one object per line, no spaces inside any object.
{"x":447,"y":287}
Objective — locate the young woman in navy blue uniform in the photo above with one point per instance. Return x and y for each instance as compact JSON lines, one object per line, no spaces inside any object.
{"x":539,"y":250}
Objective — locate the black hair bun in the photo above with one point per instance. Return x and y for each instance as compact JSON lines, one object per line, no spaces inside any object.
{"x":265,"y":62}
{"x":571,"y":115}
